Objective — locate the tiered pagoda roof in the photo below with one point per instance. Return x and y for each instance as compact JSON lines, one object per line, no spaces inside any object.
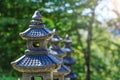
{"x":55,"y":48}
{"x":59,"y":53}
{"x":37,"y":29}
{"x":68,"y":60}
{"x":42,"y":61}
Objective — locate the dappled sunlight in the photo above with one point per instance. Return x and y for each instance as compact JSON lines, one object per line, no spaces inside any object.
{"x":116,"y":5}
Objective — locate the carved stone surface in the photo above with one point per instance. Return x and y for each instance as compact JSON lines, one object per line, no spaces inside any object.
{"x":37,"y":60}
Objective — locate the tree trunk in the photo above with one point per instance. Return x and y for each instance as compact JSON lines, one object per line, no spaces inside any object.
{"x":88,"y":49}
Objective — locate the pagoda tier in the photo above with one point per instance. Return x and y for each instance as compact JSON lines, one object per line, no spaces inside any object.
{"x":55,"y":48}
{"x":37,"y":29}
{"x":58,"y":53}
{"x":68,"y":60}
{"x":64,"y":70}
{"x":36,"y":63}
{"x":72,"y":75}
{"x":36,"y":33}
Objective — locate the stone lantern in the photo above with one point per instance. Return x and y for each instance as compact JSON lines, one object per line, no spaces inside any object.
{"x":59,"y":53}
{"x":68,"y":60}
{"x":37,"y":61}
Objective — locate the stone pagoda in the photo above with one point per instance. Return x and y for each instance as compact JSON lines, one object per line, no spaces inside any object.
{"x":68,"y":60}
{"x":59,"y":53}
{"x":37,"y":61}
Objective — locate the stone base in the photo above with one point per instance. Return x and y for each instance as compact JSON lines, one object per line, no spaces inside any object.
{"x":44,"y":75}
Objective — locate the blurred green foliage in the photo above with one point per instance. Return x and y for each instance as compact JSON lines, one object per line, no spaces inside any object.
{"x":67,"y":17}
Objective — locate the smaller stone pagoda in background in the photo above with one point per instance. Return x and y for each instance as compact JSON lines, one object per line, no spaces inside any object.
{"x":37,"y":60}
{"x":68,"y":60}
{"x":59,"y":53}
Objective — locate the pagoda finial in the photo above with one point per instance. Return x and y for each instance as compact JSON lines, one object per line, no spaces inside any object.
{"x":37,"y":20}
{"x":67,"y":36}
{"x":55,"y":38}
{"x":54,"y":30}
{"x":67,"y":39}
{"x":37,"y":15}
{"x":37,"y":29}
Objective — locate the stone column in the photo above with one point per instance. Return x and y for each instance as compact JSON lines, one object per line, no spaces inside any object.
{"x":48,"y":76}
{"x":32,"y":78}
{"x":26,"y":77}
{"x":61,"y":77}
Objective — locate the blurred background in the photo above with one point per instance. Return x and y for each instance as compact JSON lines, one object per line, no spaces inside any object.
{"x":93,"y":26}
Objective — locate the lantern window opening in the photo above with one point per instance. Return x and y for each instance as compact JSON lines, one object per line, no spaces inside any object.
{"x":36,"y":44}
